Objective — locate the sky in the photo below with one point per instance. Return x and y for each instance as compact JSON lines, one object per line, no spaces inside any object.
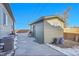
{"x":25,"y":13}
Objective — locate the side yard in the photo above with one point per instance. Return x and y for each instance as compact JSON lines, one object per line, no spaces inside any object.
{"x":26,"y":46}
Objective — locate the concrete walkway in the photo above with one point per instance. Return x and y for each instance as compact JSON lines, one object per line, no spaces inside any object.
{"x":26,"y":46}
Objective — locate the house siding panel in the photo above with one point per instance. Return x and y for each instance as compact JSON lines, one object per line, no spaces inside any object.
{"x":39,"y":32}
{"x":5,"y":29}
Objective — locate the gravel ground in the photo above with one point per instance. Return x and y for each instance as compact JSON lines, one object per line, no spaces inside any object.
{"x":26,"y":46}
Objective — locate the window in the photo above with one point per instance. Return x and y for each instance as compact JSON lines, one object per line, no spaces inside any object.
{"x":1,"y":19}
{"x":4,"y":18}
{"x":0,"y":16}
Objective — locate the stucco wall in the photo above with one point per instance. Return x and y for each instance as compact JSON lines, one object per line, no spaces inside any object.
{"x":5,"y":30}
{"x":56,"y":21}
{"x":51,"y":32}
{"x":39,"y":32}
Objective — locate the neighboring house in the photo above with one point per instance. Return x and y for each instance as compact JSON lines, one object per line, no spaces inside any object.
{"x":6,"y":26}
{"x":46,"y":29}
{"x":71,"y":33}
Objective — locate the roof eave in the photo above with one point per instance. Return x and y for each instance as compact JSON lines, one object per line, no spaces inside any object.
{"x":44,"y":18}
{"x":6,"y":5}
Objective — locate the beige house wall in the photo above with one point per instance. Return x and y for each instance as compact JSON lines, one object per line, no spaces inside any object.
{"x":51,"y":32}
{"x":56,"y":21}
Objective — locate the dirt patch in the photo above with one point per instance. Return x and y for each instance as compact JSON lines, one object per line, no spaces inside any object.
{"x":22,"y":31}
{"x":68,"y":44}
